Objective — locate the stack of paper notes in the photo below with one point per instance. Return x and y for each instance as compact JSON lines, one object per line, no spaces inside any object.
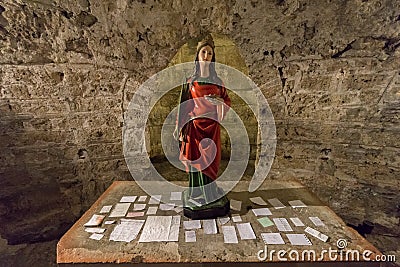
{"x":136,"y":218}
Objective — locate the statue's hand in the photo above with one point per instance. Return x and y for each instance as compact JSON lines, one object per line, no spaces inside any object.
{"x":214,"y":99}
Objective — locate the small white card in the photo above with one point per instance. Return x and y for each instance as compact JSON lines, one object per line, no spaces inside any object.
{"x":142,"y":199}
{"x":155,"y":199}
{"x":120,"y":210}
{"x":297,"y":222}
{"x":152,"y":210}
{"x":316,"y":221}
{"x":272,"y":238}
{"x":167,"y":206}
{"x":193,"y":224}
{"x":245,"y":231}
{"x":96,"y":220}
{"x":258,"y":200}
{"x":106,"y":209}
{"x":128,"y":199}
{"x":276,"y":203}
{"x":109,"y":222}
{"x":316,"y":233}
{"x":135,"y":214}
{"x":96,"y":236}
{"x":223,"y":220}
{"x":262,"y":212}
{"x":297,"y":204}
{"x":299,"y":239}
{"x":282,"y":224}
{"x":95,"y":230}
{"x":229,"y":233}
{"x":236,"y":204}
{"x":210,"y":227}
{"x":139,"y":206}
{"x":176,"y":196}
{"x":178,"y":209}
{"x":236,"y":218}
{"x":190,"y":236}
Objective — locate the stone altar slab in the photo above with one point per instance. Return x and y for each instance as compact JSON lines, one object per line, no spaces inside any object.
{"x":75,"y":248}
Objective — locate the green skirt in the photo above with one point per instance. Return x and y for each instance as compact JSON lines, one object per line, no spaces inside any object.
{"x":198,"y":188}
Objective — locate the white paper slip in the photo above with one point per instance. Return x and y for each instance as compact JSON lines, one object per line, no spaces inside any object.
{"x":176,"y":196}
{"x":167,"y":206}
{"x":276,"y":203}
{"x":236,"y":218}
{"x":174,"y":230}
{"x":223,"y":220}
{"x":96,"y":230}
{"x":120,"y":210}
{"x":128,"y":199}
{"x":272,"y":238}
{"x":127,"y":230}
{"x":258,"y":201}
{"x":135,"y":214}
{"x":96,"y":236}
{"x":106,"y":209}
{"x":262,"y":212}
{"x":124,"y":220}
{"x":210,"y":227}
{"x":316,"y":234}
{"x":156,"y":229}
{"x":297,"y":222}
{"x":236,"y":204}
{"x":96,"y":220}
{"x":190,"y":236}
{"x":229,"y":233}
{"x":282,"y":224}
{"x":109,"y":222}
{"x":316,"y":221}
{"x":155,"y":199}
{"x":245,"y":231}
{"x":139,"y":206}
{"x":299,"y":239}
{"x":178,"y":209}
{"x":192,"y":224}
{"x":152,"y":210}
{"x":297,"y":204}
{"x":142,"y":199}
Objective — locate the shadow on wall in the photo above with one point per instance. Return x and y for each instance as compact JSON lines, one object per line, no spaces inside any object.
{"x":32,"y":207}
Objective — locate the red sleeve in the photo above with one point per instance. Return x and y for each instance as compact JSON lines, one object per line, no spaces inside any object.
{"x":225,"y":96}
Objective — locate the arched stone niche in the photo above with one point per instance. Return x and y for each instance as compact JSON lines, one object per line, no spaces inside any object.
{"x":226,"y":53}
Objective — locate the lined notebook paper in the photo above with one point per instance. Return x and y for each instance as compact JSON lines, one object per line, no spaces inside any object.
{"x":272,"y":238}
{"x":282,"y":224}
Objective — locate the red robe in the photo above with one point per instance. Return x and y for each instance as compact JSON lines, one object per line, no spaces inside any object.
{"x":203,"y":155}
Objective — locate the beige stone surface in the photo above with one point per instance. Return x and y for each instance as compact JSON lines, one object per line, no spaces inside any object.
{"x":76,"y":247}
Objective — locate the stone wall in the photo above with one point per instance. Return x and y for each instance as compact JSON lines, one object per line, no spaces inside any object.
{"x":329,"y":70}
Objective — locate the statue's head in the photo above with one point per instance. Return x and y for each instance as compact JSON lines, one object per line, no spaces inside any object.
{"x":205,"y":49}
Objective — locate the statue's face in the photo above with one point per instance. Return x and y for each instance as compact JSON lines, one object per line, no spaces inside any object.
{"x":206,"y":53}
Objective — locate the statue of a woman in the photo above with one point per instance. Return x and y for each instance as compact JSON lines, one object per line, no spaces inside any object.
{"x":203,"y":104}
